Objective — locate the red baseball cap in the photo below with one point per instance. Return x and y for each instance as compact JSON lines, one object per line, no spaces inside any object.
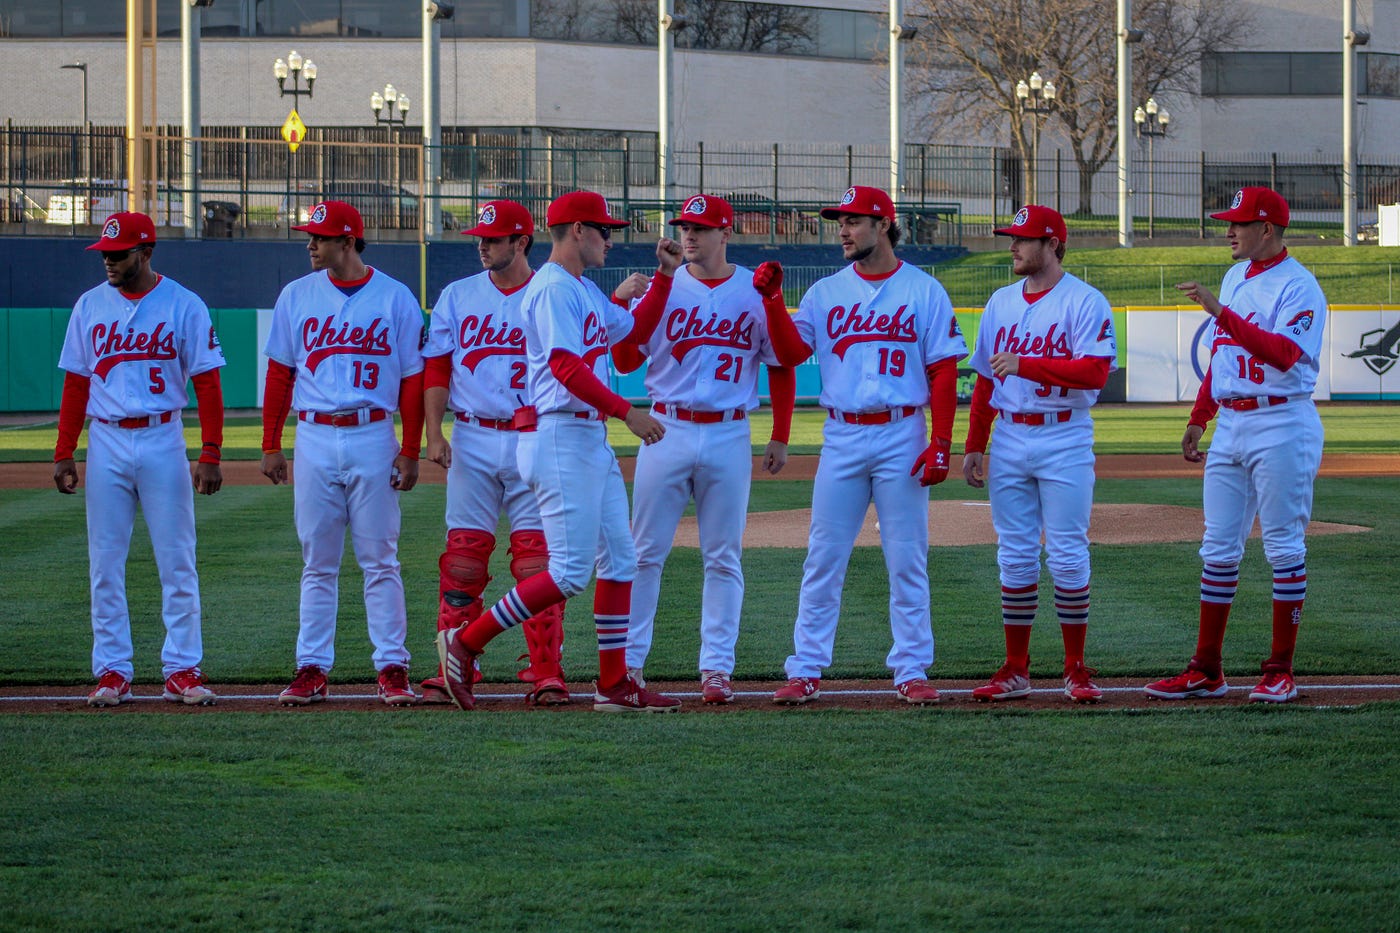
{"x":587,"y":207}
{"x":867,"y":202}
{"x":334,"y":218}
{"x":705,"y":210}
{"x":126,"y":230}
{"x":1250,"y":205}
{"x":502,"y":218}
{"x":1036,"y":222}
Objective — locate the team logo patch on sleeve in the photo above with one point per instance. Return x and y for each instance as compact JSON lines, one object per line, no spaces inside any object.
{"x":213,"y":339}
{"x":1106,"y":332}
{"x":1300,"y":322}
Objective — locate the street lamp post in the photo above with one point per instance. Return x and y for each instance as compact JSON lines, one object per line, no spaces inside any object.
{"x":1151,"y":121}
{"x":87,"y":134}
{"x":295,"y":67}
{"x":384,"y":105}
{"x":1037,"y":98}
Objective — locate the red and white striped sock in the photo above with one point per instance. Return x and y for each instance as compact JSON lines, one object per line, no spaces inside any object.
{"x":612,"y":610}
{"x":528,"y":597}
{"x":1018,"y":608}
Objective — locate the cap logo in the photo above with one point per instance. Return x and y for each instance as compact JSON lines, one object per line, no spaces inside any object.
{"x":318,"y":214}
{"x":849,"y":197}
{"x":695,"y":205}
{"x":1237,"y":200}
{"x":488,"y":215}
{"x":1023,"y":217}
{"x":112,"y":230}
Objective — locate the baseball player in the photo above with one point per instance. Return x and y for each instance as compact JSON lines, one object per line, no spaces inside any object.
{"x":569,"y":325}
{"x":703,"y":381}
{"x":888,"y":344}
{"x":343,"y":347}
{"x":1269,"y":322}
{"x":475,"y":359}
{"x":131,"y":346}
{"x":1044,"y":349}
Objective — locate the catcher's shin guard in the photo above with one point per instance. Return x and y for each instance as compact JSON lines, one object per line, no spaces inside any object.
{"x":462,"y":576}
{"x":544,"y":632}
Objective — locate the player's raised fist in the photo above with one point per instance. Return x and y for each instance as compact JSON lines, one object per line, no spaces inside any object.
{"x":668,"y":256}
{"x":768,"y":279}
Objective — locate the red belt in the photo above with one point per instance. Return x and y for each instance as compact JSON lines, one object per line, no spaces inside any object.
{"x":1250,"y":404}
{"x":145,"y":421}
{"x":347,"y":419}
{"x":1039,"y":417}
{"x":698,"y":417}
{"x":495,"y":424}
{"x":590,"y":415}
{"x":873,"y":417}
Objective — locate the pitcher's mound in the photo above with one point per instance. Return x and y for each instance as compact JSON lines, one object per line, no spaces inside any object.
{"x":957,"y":523}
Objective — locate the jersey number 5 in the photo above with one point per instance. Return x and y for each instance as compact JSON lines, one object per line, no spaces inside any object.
{"x":157,"y":381}
{"x":366,"y":375}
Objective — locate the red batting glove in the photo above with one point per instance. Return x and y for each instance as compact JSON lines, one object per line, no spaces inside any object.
{"x":934,"y":462}
{"x":768,"y":279}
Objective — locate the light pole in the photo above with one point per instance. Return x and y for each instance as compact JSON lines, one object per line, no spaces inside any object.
{"x":384,"y":104}
{"x":87,"y":142}
{"x":1151,"y":121}
{"x":1037,"y":98}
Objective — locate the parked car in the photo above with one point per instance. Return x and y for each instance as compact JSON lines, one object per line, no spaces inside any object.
{"x":382,"y":206}
{"x":91,"y":201}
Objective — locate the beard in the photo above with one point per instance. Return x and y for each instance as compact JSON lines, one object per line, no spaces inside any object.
{"x":861,"y":255}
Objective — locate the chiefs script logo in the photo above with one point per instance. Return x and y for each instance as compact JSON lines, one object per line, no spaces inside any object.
{"x":687,"y":330}
{"x":111,"y":345}
{"x":848,"y":328}
{"x":1050,"y":344}
{"x":481,"y":337}
{"x":595,"y":339}
{"x":323,"y":338}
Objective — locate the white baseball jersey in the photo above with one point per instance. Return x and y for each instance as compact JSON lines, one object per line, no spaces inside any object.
{"x":139,"y":353}
{"x":1284,"y":299}
{"x":1073,"y":320}
{"x":873,"y":339}
{"x":704,"y":354}
{"x":481,"y":327}
{"x":349,"y":352}
{"x":566,"y":313}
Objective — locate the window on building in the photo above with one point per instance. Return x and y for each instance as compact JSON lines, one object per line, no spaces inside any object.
{"x":1282,"y":74}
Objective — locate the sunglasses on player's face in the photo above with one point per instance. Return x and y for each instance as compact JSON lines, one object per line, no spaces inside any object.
{"x":118,"y":255}
{"x":604,"y":232}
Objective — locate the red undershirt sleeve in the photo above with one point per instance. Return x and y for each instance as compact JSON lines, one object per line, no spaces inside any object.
{"x":411,"y":414}
{"x":943,"y":398}
{"x":1275,"y":349}
{"x":1206,"y":406}
{"x":72,"y":412}
{"x":437,"y":372}
{"x":980,"y":417}
{"x":782,"y":332}
{"x":277,"y":402}
{"x":1085,"y":372}
{"x":209,"y":393}
{"x":570,"y":370}
{"x":782,"y":389}
{"x":627,"y":357}
{"x":649,"y":310}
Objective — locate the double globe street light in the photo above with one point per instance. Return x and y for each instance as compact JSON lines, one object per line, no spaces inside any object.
{"x":1151,"y":120}
{"x":1036,"y":97}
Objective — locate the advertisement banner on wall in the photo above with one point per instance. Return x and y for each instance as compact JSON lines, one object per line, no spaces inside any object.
{"x":1168,"y":352}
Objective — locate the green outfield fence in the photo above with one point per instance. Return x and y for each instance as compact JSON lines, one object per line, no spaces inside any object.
{"x":249,"y":184}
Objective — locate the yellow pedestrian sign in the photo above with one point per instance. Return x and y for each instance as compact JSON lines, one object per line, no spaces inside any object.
{"x":293,"y":131}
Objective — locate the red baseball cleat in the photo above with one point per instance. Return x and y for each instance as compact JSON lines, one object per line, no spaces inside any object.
{"x":798,"y":690}
{"x":1080,"y":686}
{"x":1008,"y":683}
{"x":715,"y":687}
{"x":458,"y":667}
{"x":918,"y":692}
{"x":308,"y":686}
{"x":394,"y":689}
{"x":629,"y":697}
{"x":187,"y":687}
{"x":1189,"y":683}
{"x":112,"y":690}
{"x":1276,"y":687}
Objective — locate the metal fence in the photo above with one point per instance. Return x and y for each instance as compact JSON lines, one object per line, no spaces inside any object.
{"x":55,"y":178}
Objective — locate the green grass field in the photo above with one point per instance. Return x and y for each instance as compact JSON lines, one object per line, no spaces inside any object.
{"x":1162,"y":818}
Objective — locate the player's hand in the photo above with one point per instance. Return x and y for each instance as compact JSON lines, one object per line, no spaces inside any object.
{"x":768,"y":279}
{"x":1201,"y":296}
{"x":640,"y":422}
{"x":933,"y":462}
{"x":208,"y":478}
{"x":1005,"y":364}
{"x":632,"y":287}
{"x":775,"y":457}
{"x":274,"y":467}
{"x":405,"y":475}
{"x":975,"y":469}
{"x":668,"y":256}
{"x":438,"y":451}
{"x":1190,"y":441}
{"x":65,"y":476}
